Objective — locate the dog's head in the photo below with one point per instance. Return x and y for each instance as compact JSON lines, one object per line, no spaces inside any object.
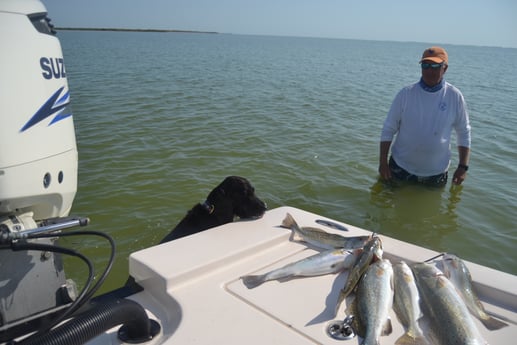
{"x":235,"y":196}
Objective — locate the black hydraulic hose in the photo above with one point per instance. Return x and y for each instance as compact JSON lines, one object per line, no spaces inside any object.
{"x":103,"y":276}
{"x":80,"y":300}
{"x":96,"y":321}
{"x":85,"y":294}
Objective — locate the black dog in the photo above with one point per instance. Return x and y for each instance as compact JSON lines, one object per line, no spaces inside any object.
{"x":235,"y":196}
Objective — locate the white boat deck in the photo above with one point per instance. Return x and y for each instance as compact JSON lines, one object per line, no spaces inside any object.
{"x":193,"y":287}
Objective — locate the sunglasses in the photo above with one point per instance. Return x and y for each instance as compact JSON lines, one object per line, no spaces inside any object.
{"x":425,"y":65}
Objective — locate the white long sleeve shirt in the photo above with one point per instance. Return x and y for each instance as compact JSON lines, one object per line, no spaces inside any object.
{"x":422,"y":123}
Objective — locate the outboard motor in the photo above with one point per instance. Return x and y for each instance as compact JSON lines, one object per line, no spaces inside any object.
{"x":38,"y":182}
{"x":38,"y":162}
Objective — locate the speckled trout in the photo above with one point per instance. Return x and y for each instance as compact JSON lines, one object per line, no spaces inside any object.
{"x":322,"y":239}
{"x":458,"y":273}
{"x":371,"y":251}
{"x":327,"y":262}
{"x":372,"y":303}
{"x":406,"y":304}
{"x":451,"y":322}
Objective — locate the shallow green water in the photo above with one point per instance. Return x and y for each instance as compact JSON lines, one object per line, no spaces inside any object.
{"x":162,"y":118}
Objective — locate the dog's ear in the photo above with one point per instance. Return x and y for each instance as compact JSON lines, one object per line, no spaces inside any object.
{"x":222,"y":194}
{"x":221,"y":189}
{"x":229,"y":194}
{"x":216,"y":194}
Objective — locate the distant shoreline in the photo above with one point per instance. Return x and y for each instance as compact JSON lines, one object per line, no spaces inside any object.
{"x":135,"y":30}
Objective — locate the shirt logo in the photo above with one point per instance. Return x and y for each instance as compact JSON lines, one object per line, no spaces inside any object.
{"x":443,"y":106}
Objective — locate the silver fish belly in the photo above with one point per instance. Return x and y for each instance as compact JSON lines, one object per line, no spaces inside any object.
{"x":329,"y":261}
{"x":458,"y":273}
{"x":406,"y":304}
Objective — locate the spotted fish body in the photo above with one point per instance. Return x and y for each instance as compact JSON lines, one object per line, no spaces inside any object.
{"x":458,"y":273}
{"x":451,"y":322}
{"x":371,"y":251}
{"x":373,"y":300}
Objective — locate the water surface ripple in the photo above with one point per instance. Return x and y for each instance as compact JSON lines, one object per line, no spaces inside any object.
{"x":162,"y":118}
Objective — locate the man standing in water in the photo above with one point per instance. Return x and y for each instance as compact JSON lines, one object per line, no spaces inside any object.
{"x":421,"y":119}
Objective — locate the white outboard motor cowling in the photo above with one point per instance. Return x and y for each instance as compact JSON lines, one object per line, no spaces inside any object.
{"x":38,"y":153}
{"x":38,"y":163}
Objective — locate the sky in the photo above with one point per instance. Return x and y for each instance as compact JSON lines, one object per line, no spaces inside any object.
{"x":463,"y":22}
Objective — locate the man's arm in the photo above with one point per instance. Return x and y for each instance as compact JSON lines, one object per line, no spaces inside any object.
{"x":384,"y":169}
{"x":461,"y":171}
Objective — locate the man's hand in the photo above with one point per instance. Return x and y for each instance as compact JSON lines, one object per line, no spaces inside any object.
{"x":384,"y":171}
{"x":459,"y":175}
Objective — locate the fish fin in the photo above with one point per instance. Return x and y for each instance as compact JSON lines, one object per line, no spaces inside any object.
{"x":358,"y":327}
{"x":253,"y":281}
{"x":407,"y":339}
{"x":387,"y":328}
{"x":288,"y":221}
{"x":492,"y":323}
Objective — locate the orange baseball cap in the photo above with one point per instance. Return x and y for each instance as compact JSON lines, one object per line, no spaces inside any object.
{"x":435,"y":54}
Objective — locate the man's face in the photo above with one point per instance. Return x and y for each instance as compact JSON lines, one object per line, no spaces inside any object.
{"x":432,"y":72}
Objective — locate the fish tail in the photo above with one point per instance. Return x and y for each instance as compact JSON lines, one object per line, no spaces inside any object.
{"x":492,"y":323}
{"x":407,"y":339}
{"x":252,"y":281}
{"x":290,"y":223}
